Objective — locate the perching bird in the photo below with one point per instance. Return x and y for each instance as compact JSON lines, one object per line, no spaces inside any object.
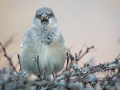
{"x":45,"y":40}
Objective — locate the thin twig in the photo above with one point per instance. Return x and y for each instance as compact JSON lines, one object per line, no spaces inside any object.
{"x":19,"y":61}
{"x":38,"y":64}
{"x":37,"y":61}
{"x":8,"y":58}
{"x":87,"y":50}
{"x":67,"y":61}
{"x":69,"y":49}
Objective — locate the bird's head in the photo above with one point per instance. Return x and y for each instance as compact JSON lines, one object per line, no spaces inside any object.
{"x":45,"y":19}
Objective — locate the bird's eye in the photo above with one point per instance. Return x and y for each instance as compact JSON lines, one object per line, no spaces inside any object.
{"x":37,"y":15}
{"x":50,"y":15}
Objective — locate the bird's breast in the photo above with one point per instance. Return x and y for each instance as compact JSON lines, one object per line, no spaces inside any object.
{"x":51,"y":51}
{"x":46,"y":37}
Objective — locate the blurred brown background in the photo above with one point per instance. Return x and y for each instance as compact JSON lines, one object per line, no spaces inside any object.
{"x":93,"y":22}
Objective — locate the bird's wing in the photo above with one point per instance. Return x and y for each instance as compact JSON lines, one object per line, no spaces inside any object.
{"x":27,"y":37}
{"x":23,"y":40}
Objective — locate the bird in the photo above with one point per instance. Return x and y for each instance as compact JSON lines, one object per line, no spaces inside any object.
{"x":45,"y":40}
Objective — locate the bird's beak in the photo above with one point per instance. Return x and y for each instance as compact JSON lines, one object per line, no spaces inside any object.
{"x":44,"y":16}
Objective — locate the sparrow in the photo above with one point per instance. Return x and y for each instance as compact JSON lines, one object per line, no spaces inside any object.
{"x":45,"y":40}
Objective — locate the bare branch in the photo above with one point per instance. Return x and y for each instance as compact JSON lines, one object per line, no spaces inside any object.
{"x":8,"y":58}
{"x":19,"y":61}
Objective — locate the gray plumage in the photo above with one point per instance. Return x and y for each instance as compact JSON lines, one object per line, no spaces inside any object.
{"x":45,"y":40}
